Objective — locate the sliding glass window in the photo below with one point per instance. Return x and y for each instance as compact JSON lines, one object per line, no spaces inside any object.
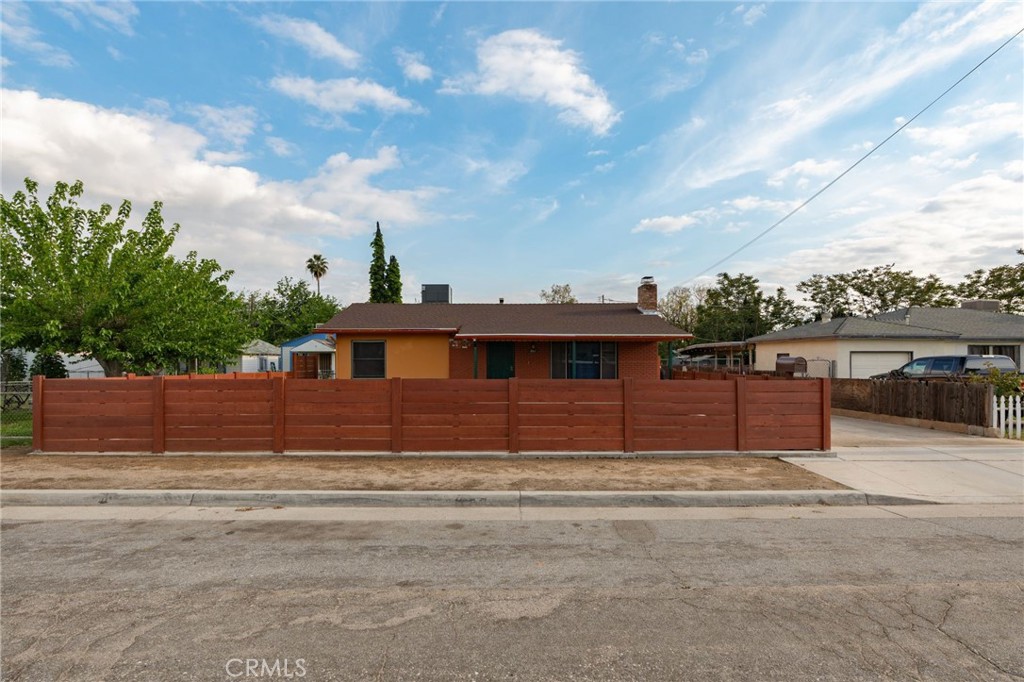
{"x":584,"y":360}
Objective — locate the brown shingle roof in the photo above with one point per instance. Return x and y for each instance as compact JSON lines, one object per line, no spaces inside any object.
{"x":506,"y":320}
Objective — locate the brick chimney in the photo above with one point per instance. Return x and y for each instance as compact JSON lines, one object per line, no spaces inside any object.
{"x":647,"y":296}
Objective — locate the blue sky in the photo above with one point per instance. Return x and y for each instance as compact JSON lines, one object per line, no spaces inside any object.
{"x":505,"y":147}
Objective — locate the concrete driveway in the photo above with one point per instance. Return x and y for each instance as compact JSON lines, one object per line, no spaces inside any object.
{"x":922,"y":464}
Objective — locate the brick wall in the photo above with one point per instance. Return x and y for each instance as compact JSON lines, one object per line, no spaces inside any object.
{"x":536,"y":365}
{"x":636,"y":360}
{"x":639,"y":361}
{"x":460,"y":362}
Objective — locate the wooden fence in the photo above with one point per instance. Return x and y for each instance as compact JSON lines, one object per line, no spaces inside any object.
{"x":279,"y":414}
{"x":954,"y":402}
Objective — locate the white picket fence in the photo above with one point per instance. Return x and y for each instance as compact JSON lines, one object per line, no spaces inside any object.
{"x":1008,"y":416}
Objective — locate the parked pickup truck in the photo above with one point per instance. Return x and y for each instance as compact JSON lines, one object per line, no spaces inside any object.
{"x":944,"y":366}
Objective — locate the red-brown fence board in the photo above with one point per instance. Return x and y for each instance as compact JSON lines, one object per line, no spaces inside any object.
{"x":343,"y":415}
{"x":477,"y":418}
{"x":269,"y":412}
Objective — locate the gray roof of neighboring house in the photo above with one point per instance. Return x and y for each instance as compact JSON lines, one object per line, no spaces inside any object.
{"x":258,"y":347}
{"x":968,"y":324}
{"x":512,"y":320}
{"x":911,"y":323}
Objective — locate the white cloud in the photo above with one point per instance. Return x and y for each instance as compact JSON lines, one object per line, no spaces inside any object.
{"x":597,"y":152}
{"x":413,"y":66}
{"x":976,"y":221}
{"x":311,"y":37}
{"x":751,"y":203}
{"x":969,"y":127}
{"x":527,"y":65}
{"x":754,"y":15}
{"x":231,"y":125}
{"x":940,"y":161}
{"x":438,"y":14}
{"x":548,"y":211}
{"x":498,"y":175}
{"x":802,"y":102}
{"x":118,"y":16}
{"x":224,"y":158}
{"x":17,"y":32}
{"x":604,"y":167}
{"x":666,"y":224}
{"x":281,"y":147}
{"x":263,"y":229}
{"x":807,"y":168}
{"x":697,"y":57}
{"x":343,"y":96}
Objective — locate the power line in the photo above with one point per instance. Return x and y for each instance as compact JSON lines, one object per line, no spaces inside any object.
{"x":857,"y":163}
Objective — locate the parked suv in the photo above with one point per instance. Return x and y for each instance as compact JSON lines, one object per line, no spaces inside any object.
{"x":950,"y":366}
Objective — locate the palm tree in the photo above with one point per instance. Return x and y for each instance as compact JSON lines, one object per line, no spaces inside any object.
{"x":317,"y":266}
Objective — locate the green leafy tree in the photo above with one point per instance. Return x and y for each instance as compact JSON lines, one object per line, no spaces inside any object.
{"x":829,"y":294}
{"x":290,"y":311}
{"x":80,"y":282}
{"x":679,"y":306}
{"x":50,"y":365}
{"x":13,"y":365}
{"x":378,"y":270}
{"x":881,"y":289}
{"x":393,"y":277}
{"x":1004,"y":283}
{"x":736,"y":309}
{"x":317,"y":267}
{"x":559,"y":293}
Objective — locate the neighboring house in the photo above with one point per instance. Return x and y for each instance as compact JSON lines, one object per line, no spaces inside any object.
{"x":257,"y":356}
{"x":309,"y":357}
{"x":498,"y":341}
{"x":857,"y":347}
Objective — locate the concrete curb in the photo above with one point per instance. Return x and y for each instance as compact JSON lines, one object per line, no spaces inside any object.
{"x":466,"y":498}
{"x":690,"y":454}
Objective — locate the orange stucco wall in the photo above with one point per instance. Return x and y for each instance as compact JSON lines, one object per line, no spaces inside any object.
{"x":410,"y":356}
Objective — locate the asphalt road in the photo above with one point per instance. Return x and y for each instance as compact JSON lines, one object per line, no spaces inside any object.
{"x":781,"y":597}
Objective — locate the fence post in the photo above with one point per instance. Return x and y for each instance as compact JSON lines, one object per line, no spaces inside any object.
{"x":826,"y":414}
{"x":627,"y":415}
{"x":278,"y":393}
{"x":993,"y":420}
{"x":158,"y":445}
{"x":1017,"y":400}
{"x":741,"y":413}
{"x":37,"y":412}
{"x":513,"y":415}
{"x":396,"y":414}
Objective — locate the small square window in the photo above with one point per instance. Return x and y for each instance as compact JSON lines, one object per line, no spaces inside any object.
{"x":368,"y":359}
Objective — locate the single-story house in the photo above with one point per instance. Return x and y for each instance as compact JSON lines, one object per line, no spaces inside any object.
{"x":498,"y":341}
{"x":257,"y":356}
{"x":857,"y":348}
{"x":309,"y":357}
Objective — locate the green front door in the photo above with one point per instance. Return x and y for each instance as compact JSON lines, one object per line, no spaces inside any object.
{"x":501,"y":360}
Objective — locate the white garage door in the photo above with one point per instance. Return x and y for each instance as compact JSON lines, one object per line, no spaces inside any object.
{"x":865,"y":363}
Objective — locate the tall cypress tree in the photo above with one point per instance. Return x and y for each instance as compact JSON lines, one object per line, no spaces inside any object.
{"x":378,"y":270}
{"x":394,"y":281}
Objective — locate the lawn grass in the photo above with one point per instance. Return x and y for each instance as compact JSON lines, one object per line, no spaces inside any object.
{"x":15,"y":427}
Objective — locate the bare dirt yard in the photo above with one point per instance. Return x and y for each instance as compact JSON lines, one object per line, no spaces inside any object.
{"x":20,"y":470}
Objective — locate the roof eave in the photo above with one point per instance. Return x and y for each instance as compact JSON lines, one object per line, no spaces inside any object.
{"x":556,"y":337}
{"x":388,"y":330}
